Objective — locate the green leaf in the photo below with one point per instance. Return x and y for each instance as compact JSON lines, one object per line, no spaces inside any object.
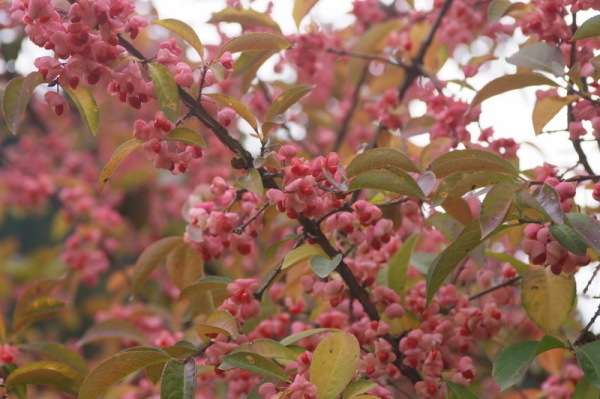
{"x":111,"y":329}
{"x":588,"y":357}
{"x":248,"y":64}
{"x":58,"y":353}
{"x":166,"y":90}
{"x":396,"y":181}
{"x":185,"y":31}
{"x":256,"y":363}
{"x":568,"y":238}
{"x":185,"y":265}
{"x":510,"y":82}
{"x":589,"y":29}
{"x":547,"y":108}
{"x":495,"y":205}
{"x":252,"y":182}
{"x":282,"y":103}
{"x":86,"y":104}
{"x":379,"y":158}
{"x":358,"y":387}
{"x":204,"y":285}
{"x":149,"y":260}
{"x":586,"y":390}
{"x":245,"y":17}
{"x":301,"y":253}
{"x":301,"y":9}
{"x":269,"y":349}
{"x":548,"y":299}
{"x":524,"y":200}
{"x":500,"y":8}
{"x":117,"y":367}
{"x":305,"y":334}
{"x":398,"y":265}
{"x":470,"y":160}
{"x":118,"y":156}
{"x":178,"y":380}
{"x":227,"y":101}
{"x":255,"y":41}
{"x":588,"y":229}
{"x":512,"y":362}
{"x":224,"y":323}
{"x":548,"y":198}
{"x":20,"y":390}
{"x":519,"y":266}
{"x":323,"y":266}
{"x":460,"y":183}
{"x":187,"y":136}
{"x":456,"y":391}
{"x":540,"y":56}
{"x":334,"y":364}
{"x":445,"y":263}
{"x":37,"y":309}
{"x":16,"y":97}
{"x":56,"y":374}
{"x":370,"y":42}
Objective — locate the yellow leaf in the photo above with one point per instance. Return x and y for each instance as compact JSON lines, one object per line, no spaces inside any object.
{"x":301,"y":253}
{"x":301,"y":8}
{"x":547,"y":298}
{"x":334,"y":364}
{"x":185,"y":31}
{"x":546,"y":108}
{"x":254,"y":42}
{"x":118,"y":156}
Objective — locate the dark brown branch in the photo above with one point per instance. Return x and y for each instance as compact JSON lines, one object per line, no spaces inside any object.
{"x":416,"y":66}
{"x":495,"y":287}
{"x":589,"y":283}
{"x":346,"y":122}
{"x":240,"y":229}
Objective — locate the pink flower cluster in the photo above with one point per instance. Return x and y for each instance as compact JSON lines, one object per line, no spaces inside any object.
{"x":445,"y":337}
{"x":174,"y":156}
{"x":211,"y":224}
{"x":86,"y":36}
{"x":308,"y":186}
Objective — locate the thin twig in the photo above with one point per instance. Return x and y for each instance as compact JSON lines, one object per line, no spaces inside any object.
{"x":589,"y":283}
{"x":348,"y":117}
{"x":240,"y":229}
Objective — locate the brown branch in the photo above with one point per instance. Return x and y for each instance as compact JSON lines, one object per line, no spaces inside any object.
{"x":416,"y":66}
{"x":348,"y":117}
{"x":495,"y":287}
{"x":240,"y":229}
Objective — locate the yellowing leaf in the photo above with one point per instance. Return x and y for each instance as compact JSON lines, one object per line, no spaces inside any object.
{"x":301,"y":8}
{"x":445,"y":263}
{"x":239,"y":107}
{"x":256,"y":363}
{"x":248,"y":64}
{"x":187,"y":136}
{"x":357,"y":388}
{"x":179,"y":380}
{"x":495,"y":205}
{"x":510,"y":82}
{"x":546,"y":108}
{"x":118,"y":156}
{"x":590,"y":28}
{"x":184,"y":265}
{"x":547,"y":298}
{"x":286,"y":99}
{"x":334,"y":364}
{"x":380,"y":158}
{"x":470,"y":160}
{"x":150,"y":259}
{"x":204,"y":285}
{"x":15,"y":99}
{"x":58,"y":353}
{"x":220,"y":322}
{"x":166,"y":90}
{"x":112,"y":329}
{"x":113,"y":369}
{"x":252,"y":182}
{"x":56,"y":374}
{"x":245,"y":17}
{"x":305,"y":334}
{"x":301,"y":253}
{"x":500,"y":8}
{"x":370,"y":42}
{"x":37,"y":309}
{"x":269,"y":349}
{"x":185,"y":31}
{"x":391,"y":179}
{"x":86,"y":104}
{"x":254,"y":42}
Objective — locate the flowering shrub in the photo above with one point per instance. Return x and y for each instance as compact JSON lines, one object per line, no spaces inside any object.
{"x":285,"y":235}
